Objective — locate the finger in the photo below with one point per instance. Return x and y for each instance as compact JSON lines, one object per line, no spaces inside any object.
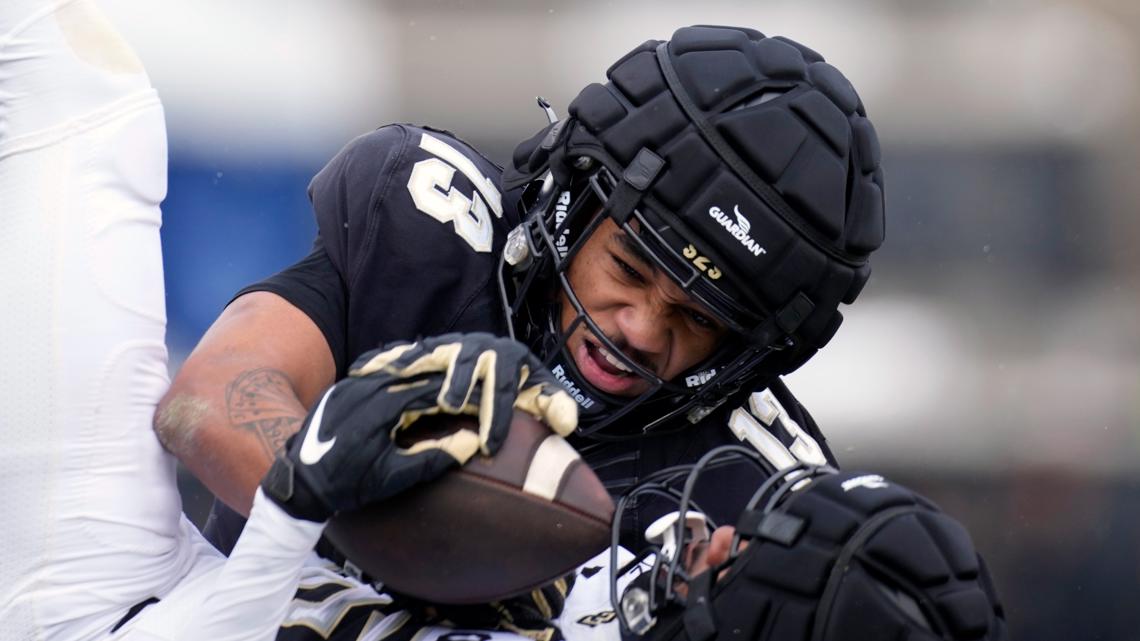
{"x":545,"y":399}
{"x":437,"y":354}
{"x":402,"y":470}
{"x":551,"y":405}
{"x":402,"y":401}
{"x":460,"y":445}
{"x":720,"y":545}
{"x":496,"y":403}
{"x":463,"y":374}
{"x":696,"y":557}
{"x":383,"y":359}
{"x":440,"y":358}
{"x":423,"y":360}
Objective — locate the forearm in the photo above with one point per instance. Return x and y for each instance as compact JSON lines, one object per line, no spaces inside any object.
{"x":228,"y":433}
{"x":255,"y":588}
{"x":243,"y":391}
{"x":247,"y":596}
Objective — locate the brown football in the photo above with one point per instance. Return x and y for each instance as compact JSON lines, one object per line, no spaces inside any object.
{"x":496,"y":527}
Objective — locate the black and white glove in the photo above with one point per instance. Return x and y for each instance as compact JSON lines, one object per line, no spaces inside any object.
{"x":345,"y":457}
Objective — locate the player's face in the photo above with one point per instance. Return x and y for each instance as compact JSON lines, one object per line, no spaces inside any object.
{"x":640,"y":309}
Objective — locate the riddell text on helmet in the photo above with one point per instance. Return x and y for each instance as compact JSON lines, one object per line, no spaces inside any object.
{"x":585,"y":401}
{"x":562,"y":244}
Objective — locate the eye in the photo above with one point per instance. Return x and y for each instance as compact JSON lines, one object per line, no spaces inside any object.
{"x":628,"y":270}
{"x":701,"y":320}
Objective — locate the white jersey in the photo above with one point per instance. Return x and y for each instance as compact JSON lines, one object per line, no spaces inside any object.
{"x":589,"y":613}
{"x":92,"y":519}
{"x":94,"y":543}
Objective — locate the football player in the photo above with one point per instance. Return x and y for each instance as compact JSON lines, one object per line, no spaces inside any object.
{"x":813,"y":554}
{"x":96,"y":543}
{"x":93,"y":543}
{"x":91,"y":511}
{"x":681,"y":239}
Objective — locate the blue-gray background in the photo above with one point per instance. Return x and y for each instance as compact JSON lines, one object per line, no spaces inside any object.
{"x":993,"y":359}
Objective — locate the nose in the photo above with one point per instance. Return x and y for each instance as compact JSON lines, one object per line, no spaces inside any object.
{"x":645,"y":329}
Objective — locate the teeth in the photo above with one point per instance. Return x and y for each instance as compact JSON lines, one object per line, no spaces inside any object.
{"x":613,"y":360}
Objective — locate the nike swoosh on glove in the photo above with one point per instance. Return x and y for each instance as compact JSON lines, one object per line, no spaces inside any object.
{"x":345,"y":454}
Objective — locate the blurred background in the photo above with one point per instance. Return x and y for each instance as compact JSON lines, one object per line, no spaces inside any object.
{"x":994,"y":359}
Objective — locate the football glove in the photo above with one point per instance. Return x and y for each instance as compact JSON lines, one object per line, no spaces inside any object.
{"x":345,"y":455}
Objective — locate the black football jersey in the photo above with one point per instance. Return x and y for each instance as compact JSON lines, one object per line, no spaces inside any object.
{"x":787,"y":432}
{"x":410,"y":226}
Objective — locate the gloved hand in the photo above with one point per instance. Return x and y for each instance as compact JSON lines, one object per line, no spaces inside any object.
{"x":344,"y":456}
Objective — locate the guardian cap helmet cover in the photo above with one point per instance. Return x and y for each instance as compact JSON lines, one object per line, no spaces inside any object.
{"x":828,"y":555}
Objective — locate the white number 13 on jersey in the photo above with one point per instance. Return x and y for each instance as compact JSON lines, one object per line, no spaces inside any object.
{"x":431,"y":190}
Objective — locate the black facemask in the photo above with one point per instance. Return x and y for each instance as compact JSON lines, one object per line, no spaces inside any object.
{"x":534,"y":270}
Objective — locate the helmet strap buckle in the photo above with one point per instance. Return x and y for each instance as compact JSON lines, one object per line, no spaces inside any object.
{"x":635,"y":179}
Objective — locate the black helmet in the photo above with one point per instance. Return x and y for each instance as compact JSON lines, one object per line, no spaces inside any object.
{"x":744,"y":167}
{"x":828,"y":555}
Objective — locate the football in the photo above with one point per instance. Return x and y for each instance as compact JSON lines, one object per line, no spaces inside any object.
{"x":497,"y":527}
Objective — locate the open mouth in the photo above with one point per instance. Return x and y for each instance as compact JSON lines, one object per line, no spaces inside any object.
{"x":606,"y":371}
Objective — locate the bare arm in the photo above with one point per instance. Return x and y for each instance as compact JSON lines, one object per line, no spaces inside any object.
{"x":242,"y":392}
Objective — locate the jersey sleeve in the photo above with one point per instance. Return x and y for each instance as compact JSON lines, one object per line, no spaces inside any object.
{"x":349,"y":191}
{"x":346,"y":196}
{"x":410,"y":221}
{"x":314,"y":286}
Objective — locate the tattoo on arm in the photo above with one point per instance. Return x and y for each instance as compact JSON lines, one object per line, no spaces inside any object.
{"x":262,"y":401}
